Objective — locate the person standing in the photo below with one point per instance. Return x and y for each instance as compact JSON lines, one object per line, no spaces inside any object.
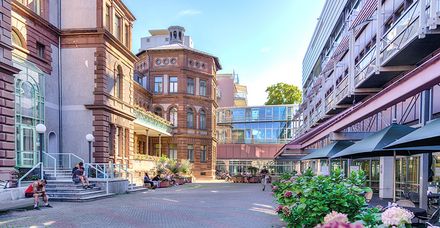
{"x":264,"y":177}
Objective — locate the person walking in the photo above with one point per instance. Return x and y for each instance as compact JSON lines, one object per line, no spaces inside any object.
{"x":264,"y":177}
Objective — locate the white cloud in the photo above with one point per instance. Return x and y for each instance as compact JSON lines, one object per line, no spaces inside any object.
{"x":189,"y":12}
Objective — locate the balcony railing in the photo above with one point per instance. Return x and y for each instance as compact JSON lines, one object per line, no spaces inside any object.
{"x":329,"y":102}
{"x":404,"y":30}
{"x":342,"y":90}
{"x":365,"y":67}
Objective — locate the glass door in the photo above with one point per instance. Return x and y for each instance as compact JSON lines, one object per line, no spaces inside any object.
{"x":27,"y":153}
{"x":407,"y":175}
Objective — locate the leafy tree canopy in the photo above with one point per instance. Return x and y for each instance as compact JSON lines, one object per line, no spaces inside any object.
{"x":282,"y":93}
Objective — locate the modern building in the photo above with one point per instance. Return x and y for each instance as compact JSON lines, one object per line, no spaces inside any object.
{"x":230,"y":92}
{"x":181,"y":85}
{"x":160,"y":37}
{"x":78,"y":76}
{"x":250,"y":136}
{"x":369,"y":64}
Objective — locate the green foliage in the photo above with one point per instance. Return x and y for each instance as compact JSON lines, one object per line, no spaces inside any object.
{"x":305,"y":200}
{"x":164,"y":165}
{"x":282,"y":93}
{"x":370,"y":217}
{"x":253,"y":170}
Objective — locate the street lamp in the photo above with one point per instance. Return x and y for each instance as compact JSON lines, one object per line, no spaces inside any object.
{"x":90,"y":138}
{"x":41,"y":129}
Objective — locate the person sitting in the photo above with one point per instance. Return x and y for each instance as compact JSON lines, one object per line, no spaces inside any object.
{"x":78,"y":176}
{"x":156,"y":178}
{"x":148,"y":181}
{"x":37,"y":189}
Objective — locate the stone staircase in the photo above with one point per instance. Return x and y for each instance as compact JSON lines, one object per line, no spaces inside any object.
{"x":62,"y":188}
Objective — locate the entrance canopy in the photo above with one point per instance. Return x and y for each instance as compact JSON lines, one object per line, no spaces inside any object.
{"x":328,"y":151}
{"x":425,"y":138}
{"x":373,"y":145}
{"x":154,"y":124}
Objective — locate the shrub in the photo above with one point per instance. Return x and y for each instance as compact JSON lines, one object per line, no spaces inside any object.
{"x":307,"y":199}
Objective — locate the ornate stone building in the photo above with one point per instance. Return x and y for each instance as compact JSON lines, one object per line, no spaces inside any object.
{"x":182,"y":82}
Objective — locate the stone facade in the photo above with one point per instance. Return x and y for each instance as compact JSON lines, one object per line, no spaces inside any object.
{"x":187,"y":67}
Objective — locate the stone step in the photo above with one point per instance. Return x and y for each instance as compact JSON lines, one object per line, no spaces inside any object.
{"x":75,"y":195}
{"x":135,"y":188}
{"x":70,"y":190}
{"x":82,"y":199}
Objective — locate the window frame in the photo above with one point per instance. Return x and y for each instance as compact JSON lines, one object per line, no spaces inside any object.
{"x":189,"y":119}
{"x":205,"y":90}
{"x":190,"y":152}
{"x":117,"y":25}
{"x":173,"y":86}
{"x":174,"y":119}
{"x":159,"y":88}
{"x":203,"y":154}
{"x":190,"y":86}
{"x":202,"y":120}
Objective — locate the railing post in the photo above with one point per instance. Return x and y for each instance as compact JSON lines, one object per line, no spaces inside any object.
{"x":422,"y":19}
{"x":70,"y":161}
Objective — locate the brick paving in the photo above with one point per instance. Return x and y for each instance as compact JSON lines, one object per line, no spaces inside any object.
{"x":190,"y":205}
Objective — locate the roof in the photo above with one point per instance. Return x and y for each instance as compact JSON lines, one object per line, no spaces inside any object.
{"x":159,"y":32}
{"x":428,"y":135}
{"x":179,"y":46}
{"x":373,"y":145}
{"x":328,"y":151}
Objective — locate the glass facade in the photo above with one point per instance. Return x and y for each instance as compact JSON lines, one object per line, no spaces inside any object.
{"x":29,"y":111}
{"x":256,"y":125}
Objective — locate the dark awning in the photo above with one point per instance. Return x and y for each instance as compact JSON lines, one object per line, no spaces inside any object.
{"x":424,"y":138}
{"x":328,"y":151}
{"x":373,"y":145}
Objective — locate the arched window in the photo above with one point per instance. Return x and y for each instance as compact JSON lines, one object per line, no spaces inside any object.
{"x":158,"y":111}
{"x":175,"y":35}
{"x":16,"y":39}
{"x":202,"y":119}
{"x":189,"y":118}
{"x":173,"y":116}
{"x":118,"y":82}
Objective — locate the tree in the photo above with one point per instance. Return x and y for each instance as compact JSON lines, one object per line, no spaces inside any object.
{"x":282,"y":93}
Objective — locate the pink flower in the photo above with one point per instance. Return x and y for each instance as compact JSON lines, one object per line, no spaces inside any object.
{"x":335,"y":217}
{"x":396,"y":216}
{"x":279,"y":209}
{"x":336,"y":224}
{"x":288,"y":194}
{"x":274,"y":188}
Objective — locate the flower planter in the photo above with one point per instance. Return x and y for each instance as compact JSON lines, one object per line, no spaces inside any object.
{"x":180,"y":181}
{"x":164,"y":184}
{"x":254,"y":180}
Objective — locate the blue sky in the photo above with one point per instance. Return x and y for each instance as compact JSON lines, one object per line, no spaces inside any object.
{"x":263,"y":40}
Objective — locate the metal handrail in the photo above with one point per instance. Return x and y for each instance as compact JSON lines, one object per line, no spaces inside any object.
{"x":54,"y":163}
{"x":70,"y":155}
{"x":39,"y":164}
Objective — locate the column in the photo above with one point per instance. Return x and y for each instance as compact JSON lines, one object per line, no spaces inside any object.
{"x":146,"y":142}
{"x":160,"y":145}
{"x":387,"y":170}
{"x":425,"y":116}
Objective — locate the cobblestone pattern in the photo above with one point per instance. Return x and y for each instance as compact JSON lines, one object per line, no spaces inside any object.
{"x":191,"y":205}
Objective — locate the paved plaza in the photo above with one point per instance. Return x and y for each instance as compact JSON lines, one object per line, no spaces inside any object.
{"x":190,"y":205}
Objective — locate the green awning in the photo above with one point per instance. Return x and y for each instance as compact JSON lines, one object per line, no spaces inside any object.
{"x":425,"y":138}
{"x":328,"y":151}
{"x":373,"y":145}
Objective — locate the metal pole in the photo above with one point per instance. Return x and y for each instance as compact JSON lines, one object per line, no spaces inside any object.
{"x":394,"y":176}
{"x":41,"y":156}
{"x":90,"y":152}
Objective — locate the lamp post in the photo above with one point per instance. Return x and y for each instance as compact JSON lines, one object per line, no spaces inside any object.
{"x":41,"y":129}
{"x":90,"y":138}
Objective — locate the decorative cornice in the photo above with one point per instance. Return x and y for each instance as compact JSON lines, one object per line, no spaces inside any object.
{"x":111,"y":110}
{"x":21,"y":9}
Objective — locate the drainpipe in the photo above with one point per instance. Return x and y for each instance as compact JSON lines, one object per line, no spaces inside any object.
{"x":60,"y":86}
